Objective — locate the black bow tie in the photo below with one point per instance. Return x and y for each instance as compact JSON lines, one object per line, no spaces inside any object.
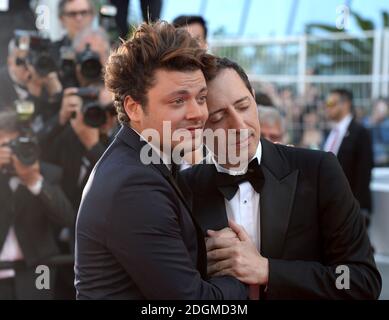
{"x":228,"y":185}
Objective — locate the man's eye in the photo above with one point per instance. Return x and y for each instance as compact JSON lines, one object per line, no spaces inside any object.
{"x":178,"y":101}
{"x":202,"y":99}
{"x":243,"y":107}
{"x":216,"y":117}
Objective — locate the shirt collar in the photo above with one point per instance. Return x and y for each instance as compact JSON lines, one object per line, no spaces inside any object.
{"x":343,"y":124}
{"x":219,"y":168}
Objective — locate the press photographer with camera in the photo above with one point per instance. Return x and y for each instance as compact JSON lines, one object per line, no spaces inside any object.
{"x":89,"y":121}
{"x":33,"y":207}
{"x":27,"y":73}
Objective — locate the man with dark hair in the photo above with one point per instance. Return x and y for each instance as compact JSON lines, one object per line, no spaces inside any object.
{"x":352,"y":145}
{"x":295,"y":231}
{"x":135,"y":237}
{"x":196,"y":26}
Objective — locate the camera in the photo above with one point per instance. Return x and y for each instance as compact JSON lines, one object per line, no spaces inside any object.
{"x":41,"y":52}
{"x":89,"y":60}
{"x":94,"y":114}
{"x":25,"y":148}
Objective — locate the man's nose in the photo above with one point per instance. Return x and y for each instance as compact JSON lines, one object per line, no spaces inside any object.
{"x":236,"y":121}
{"x":195,"y":111}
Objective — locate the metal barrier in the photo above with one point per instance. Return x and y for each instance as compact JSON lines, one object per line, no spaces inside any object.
{"x":360,"y":62}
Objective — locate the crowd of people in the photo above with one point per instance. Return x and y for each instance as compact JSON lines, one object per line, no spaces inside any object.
{"x":57,"y":118}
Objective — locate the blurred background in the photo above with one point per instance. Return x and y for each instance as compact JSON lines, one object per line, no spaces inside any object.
{"x":300,"y":55}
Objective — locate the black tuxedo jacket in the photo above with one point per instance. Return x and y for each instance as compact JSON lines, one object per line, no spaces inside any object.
{"x":135,"y":237}
{"x":356,"y":158}
{"x":310,"y":223}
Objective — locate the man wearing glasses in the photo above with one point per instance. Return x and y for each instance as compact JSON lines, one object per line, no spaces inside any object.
{"x":75,"y":16}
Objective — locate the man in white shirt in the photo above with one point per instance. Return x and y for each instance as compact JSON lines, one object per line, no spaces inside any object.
{"x":352,"y":145}
{"x":282,"y":219}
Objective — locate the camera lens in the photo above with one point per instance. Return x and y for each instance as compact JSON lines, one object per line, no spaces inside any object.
{"x":91,"y":69}
{"x":94,"y":115}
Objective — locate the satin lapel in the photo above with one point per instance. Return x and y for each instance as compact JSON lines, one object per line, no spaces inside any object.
{"x":276,"y":205}
{"x":201,"y":253}
{"x":277,"y":198}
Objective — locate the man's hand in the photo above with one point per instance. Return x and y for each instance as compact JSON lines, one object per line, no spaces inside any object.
{"x":5,"y":156}
{"x":71,"y":104}
{"x":88,"y":136}
{"x":240,"y":259}
{"x":223,"y":233}
{"x":52,"y":84}
{"x":29,"y":175}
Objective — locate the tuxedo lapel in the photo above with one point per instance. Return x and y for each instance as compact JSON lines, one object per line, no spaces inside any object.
{"x":208,"y":203}
{"x":276,"y":200}
{"x":347,"y":139}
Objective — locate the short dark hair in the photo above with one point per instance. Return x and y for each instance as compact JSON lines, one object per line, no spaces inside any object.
{"x":130,"y":70}
{"x":63,"y":3}
{"x":262,"y":99}
{"x":345,"y":94}
{"x":183,"y":21}
{"x":225,"y":63}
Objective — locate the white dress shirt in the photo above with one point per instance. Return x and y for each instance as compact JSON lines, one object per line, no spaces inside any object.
{"x":243,"y":208}
{"x":337,"y":134}
{"x":11,"y":249}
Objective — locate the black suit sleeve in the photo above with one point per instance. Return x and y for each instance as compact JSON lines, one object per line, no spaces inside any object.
{"x":59,"y":209}
{"x":344,"y":242}
{"x":363,"y":166}
{"x":152,"y":249}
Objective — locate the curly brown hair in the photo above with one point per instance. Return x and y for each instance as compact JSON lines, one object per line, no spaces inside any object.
{"x":131,"y":68}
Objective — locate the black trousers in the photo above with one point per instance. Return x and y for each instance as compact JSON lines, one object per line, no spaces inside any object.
{"x":151,"y":11}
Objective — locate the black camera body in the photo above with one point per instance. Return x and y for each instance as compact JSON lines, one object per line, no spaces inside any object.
{"x":26,"y":149}
{"x":42,"y":56}
{"x":89,"y":61}
{"x":41,"y":51}
{"x":94,"y":114}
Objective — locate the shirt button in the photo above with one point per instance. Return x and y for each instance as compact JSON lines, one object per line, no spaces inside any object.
{"x":245,"y":201}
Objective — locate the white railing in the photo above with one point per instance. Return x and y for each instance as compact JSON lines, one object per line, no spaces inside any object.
{"x":353,"y":60}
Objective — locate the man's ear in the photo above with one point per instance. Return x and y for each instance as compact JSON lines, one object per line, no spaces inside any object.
{"x":253,"y":92}
{"x":133,"y":109}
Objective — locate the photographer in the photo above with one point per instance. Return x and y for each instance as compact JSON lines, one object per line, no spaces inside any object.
{"x":89,"y":122}
{"x":33,"y":206}
{"x":92,"y":51}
